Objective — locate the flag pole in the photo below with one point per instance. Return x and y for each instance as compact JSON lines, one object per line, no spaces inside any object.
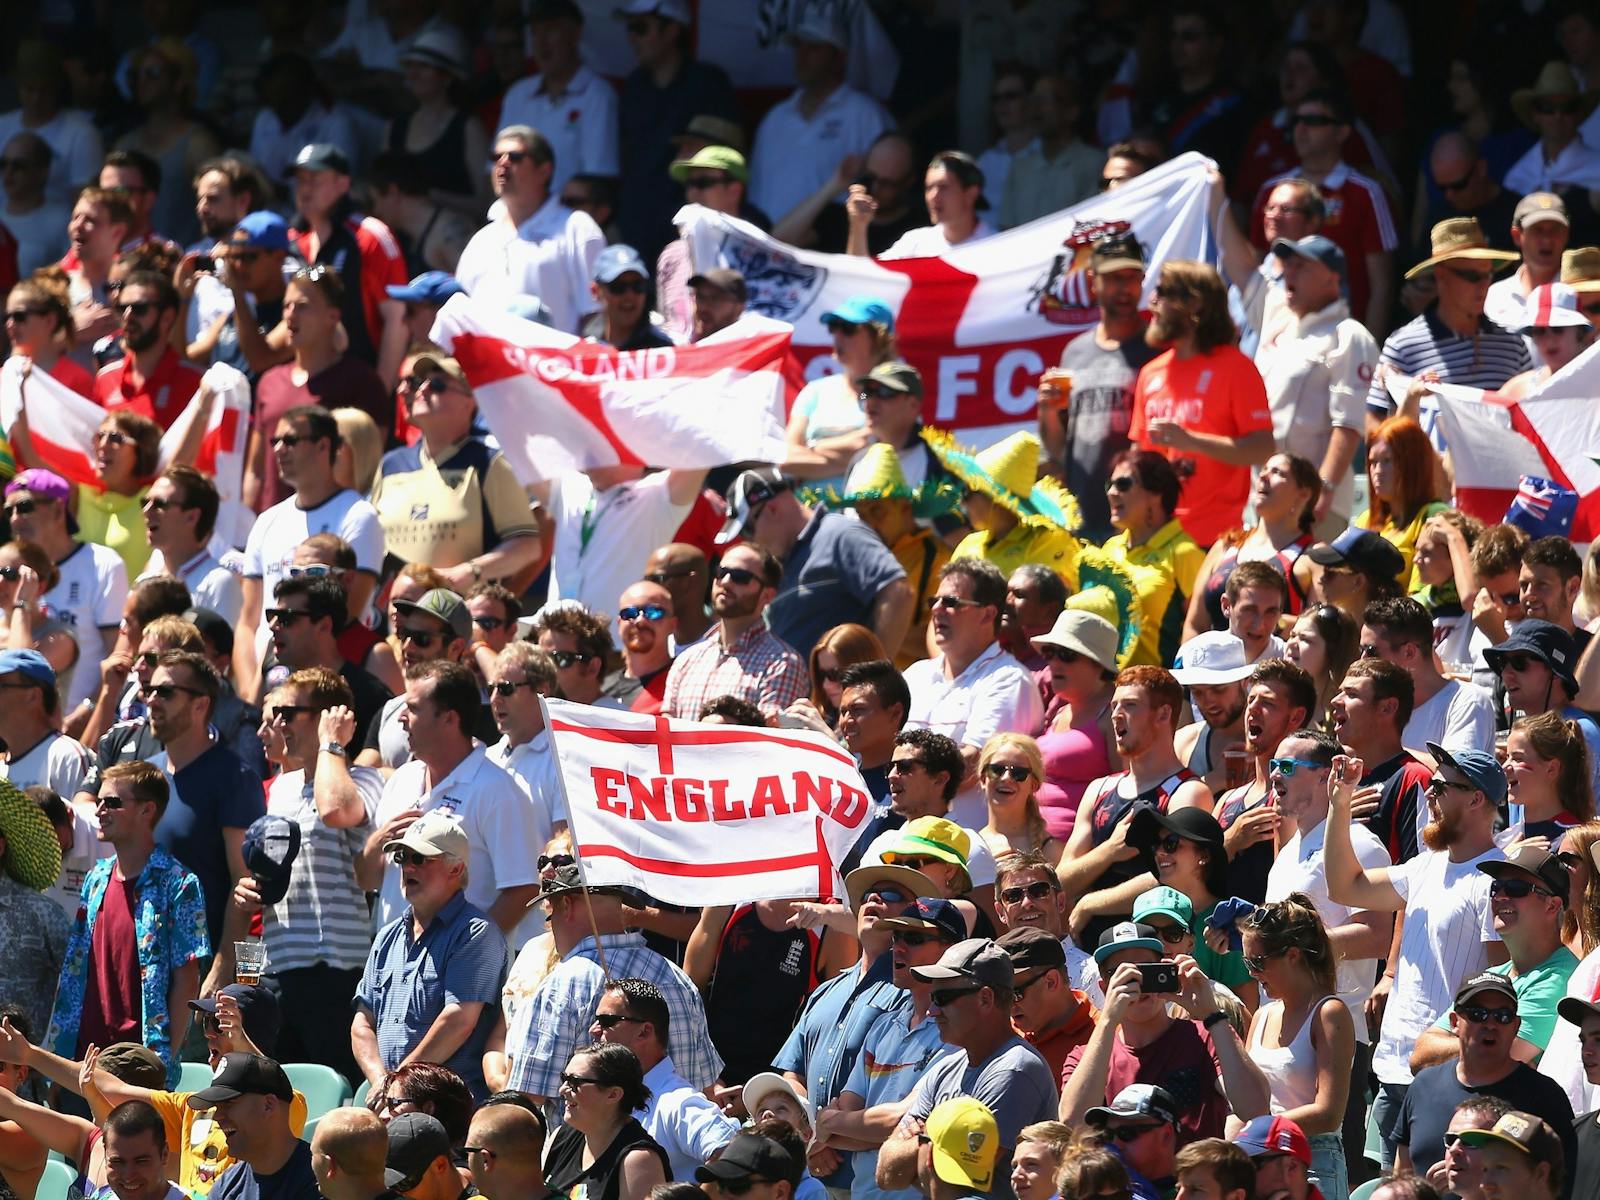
{"x":577,"y":855}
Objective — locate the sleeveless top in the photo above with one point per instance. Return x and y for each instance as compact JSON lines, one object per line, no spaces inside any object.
{"x":1110,"y":805}
{"x":762,"y":980}
{"x":1073,"y":759}
{"x":442,"y":166}
{"x":81,"y":1185}
{"x":1200,"y":756}
{"x":1291,"y":1070}
{"x":1283,"y":559}
{"x":563,"y":1167}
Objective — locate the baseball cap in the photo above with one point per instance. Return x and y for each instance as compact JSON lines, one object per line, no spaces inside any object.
{"x":1214,"y":657}
{"x":213,"y":627}
{"x":723,"y":278}
{"x":431,"y":287}
{"x":1164,"y":902}
{"x":1482,"y":769}
{"x":763,"y":1084}
{"x":712,"y":158}
{"x":568,"y":878}
{"x":262,"y":229}
{"x":433,"y":833}
{"x":29,"y":664}
{"x":47,"y":485}
{"x":415,"y":1140}
{"x":258,"y":1010}
{"x":271,"y":844}
{"x":747,"y":1154}
{"x":1362,"y":549}
{"x":1136,"y":1100}
{"x":667,"y":10}
{"x":1313,"y":248}
{"x":321,"y":156}
{"x":1117,"y":252}
{"x":1486,"y":981}
{"x":1127,"y":935}
{"x":134,"y":1063}
{"x":818,"y":24}
{"x":964,"y":1140}
{"x":1521,"y":1131}
{"x":860,"y":310}
{"x":1030,"y":947}
{"x":617,"y":260}
{"x":897,"y":376}
{"x":977,"y":960}
{"x":243,"y":1075}
{"x":1545,"y":868}
{"x":749,"y":490}
{"x":1268,"y":1137}
{"x":442,"y":603}
{"x":1571,"y":1008}
{"x":450,"y":367}
{"x":930,"y":912}
{"x":1539,"y":206}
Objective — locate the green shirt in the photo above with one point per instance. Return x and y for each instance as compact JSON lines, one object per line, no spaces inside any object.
{"x":1539,"y":989}
{"x":1226,"y":968}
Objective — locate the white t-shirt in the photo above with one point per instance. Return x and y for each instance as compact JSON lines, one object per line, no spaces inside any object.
{"x":930,"y":242}
{"x":75,"y":144}
{"x":57,"y":762}
{"x":89,"y":597}
{"x":580,"y":124}
{"x":794,"y":155}
{"x":1459,"y":716}
{"x":87,"y":849}
{"x":1562,"y":1059}
{"x":1300,"y":867}
{"x":211,"y":585}
{"x":551,"y":255}
{"x":501,"y":825}
{"x":624,"y":524}
{"x":533,"y":766}
{"x":1448,"y":920}
{"x":41,"y":236}
{"x":270,"y":549}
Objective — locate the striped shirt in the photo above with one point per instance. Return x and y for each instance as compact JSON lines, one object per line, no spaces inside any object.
{"x":323,"y":917}
{"x":1428,"y":344}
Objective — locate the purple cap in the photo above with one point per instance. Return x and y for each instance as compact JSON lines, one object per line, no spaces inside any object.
{"x":45,"y":484}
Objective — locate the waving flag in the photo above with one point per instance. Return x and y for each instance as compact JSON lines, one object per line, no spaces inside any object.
{"x":982,"y":322}
{"x":555,"y":403}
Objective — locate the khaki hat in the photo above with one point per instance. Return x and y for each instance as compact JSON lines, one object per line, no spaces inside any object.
{"x":434,"y":833}
{"x":897,"y":376}
{"x":719,"y":131}
{"x":1539,"y":206}
{"x":445,"y":363}
{"x":1459,"y":237}
{"x":1556,"y":80}
{"x":1580,"y":269}
{"x":912,"y":884}
{"x":1521,"y":1131}
{"x":1085,"y":633}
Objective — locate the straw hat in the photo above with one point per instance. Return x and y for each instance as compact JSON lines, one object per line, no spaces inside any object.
{"x":33,"y":852}
{"x":1106,"y":588}
{"x":1008,"y":473}
{"x":1556,"y":79}
{"x":877,"y":475}
{"x":1580,"y":269}
{"x":1459,"y":237}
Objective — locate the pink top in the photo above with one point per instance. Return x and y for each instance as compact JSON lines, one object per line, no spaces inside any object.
{"x":1073,"y":759}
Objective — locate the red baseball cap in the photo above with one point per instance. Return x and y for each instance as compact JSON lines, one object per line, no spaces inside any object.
{"x":1266,"y":1137}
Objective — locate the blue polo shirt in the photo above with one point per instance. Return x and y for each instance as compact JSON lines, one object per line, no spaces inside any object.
{"x":831,"y":577}
{"x":891,"y":1061}
{"x":459,"y":959}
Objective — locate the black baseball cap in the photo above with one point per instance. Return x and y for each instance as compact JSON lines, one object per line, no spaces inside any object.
{"x":748,"y":1154}
{"x":258,"y":1009}
{"x":271,"y":845}
{"x":243,"y":1075}
{"x":415,"y":1140}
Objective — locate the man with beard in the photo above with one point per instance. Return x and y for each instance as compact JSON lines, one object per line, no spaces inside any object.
{"x":149,"y":378}
{"x":1279,"y":700}
{"x":1201,"y":402}
{"x":1447,"y":932}
{"x":1371,"y":707}
{"x":740,"y":656}
{"x":1100,"y":873}
{"x":1214,"y":670}
{"x":647,"y":622}
{"x":251,"y":1098}
{"x":1529,"y":901}
{"x":1087,"y":429}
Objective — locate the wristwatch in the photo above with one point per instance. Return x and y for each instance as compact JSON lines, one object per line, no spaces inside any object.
{"x":334,"y":748}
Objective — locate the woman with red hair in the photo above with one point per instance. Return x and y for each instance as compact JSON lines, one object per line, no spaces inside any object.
{"x":1402,"y":473}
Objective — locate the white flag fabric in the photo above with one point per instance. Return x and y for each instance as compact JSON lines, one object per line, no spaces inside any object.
{"x":706,"y":814}
{"x":557,"y":404}
{"x":983,"y":321}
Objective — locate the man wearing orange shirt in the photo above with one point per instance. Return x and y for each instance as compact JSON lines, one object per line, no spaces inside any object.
{"x":1201,"y":402}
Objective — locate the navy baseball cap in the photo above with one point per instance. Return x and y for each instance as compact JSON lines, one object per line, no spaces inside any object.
{"x":1481,"y":767}
{"x":1361,"y":550}
{"x":261,"y":230}
{"x":258,"y":1010}
{"x":616,"y":261}
{"x":271,"y":844}
{"x":431,"y":287}
{"x":1314,"y":248}
{"x":321,"y":156}
{"x":931,"y":914}
{"x":28,"y":663}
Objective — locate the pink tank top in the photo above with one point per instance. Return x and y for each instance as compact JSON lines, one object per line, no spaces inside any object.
{"x":1073,"y":759}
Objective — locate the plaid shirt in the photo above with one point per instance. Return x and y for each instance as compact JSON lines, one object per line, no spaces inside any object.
{"x":554,"y":1023}
{"x":760,"y":668}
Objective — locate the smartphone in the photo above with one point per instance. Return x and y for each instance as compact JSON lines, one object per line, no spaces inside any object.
{"x":204,"y":262}
{"x":1158,"y":977}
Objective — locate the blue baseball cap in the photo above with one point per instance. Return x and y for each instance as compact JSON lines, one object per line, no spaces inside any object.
{"x":859,"y":310}
{"x":1481,"y":767}
{"x":1314,"y":248}
{"x":431,"y":287}
{"x":29,"y":663}
{"x":616,"y":261}
{"x":262,"y":230}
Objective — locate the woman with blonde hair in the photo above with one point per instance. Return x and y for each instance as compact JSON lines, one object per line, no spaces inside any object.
{"x":1010,"y":771}
{"x":1402,"y":469}
{"x":1580,"y":925}
{"x":1547,"y":773}
{"x":355,"y":463}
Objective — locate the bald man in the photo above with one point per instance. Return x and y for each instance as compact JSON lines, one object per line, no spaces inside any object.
{"x":646,"y":623}
{"x":504,"y":1146}
{"x":683,"y":570}
{"x":1461,"y":173}
{"x":347,"y":1154}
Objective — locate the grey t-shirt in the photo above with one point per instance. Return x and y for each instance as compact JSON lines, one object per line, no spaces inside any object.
{"x":1013,"y":1082}
{"x":1097,"y":419}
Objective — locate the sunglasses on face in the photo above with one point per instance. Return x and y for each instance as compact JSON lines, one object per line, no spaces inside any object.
{"x":847,"y":328}
{"x":951,"y":603}
{"x":242,"y":258}
{"x":574,"y":1082}
{"x":1438,"y":784}
{"x":284,"y":616}
{"x":148,"y":659}
{"x":735,"y":575}
{"x":409,"y":858}
{"x":1516,"y":889}
{"x":1454,"y":185}
{"x":702,"y":182}
{"x":1121,"y":483}
{"x":507,"y":688}
{"x":514,"y":157}
{"x":1169,"y":844}
{"x":1286,"y":767}
{"x":288,"y":441}
{"x":888,"y":895}
{"x":1316,"y":120}
{"x":1171,"y":934}
{"x":910,"y":937}
{"x":21,"y":508}
{"x":315,"y":571}
{"x":153,"y":504}
{"x":1478,"y":1015}
{"x":422,"y":637}
{"x":621,"y":287}
{"x":1130,"y":1133}
{"x":137,"y":307}
{"x":1518,"y":662}
{"x":18,"y":315}
{"x":111,"y":802}
{"x":876,"y":391}
{"x":739,"y":1187}
{"x":433,"y":385}
{"x":547,"y":861}
{"x":1552,"y":108}
{"x":489,"y":623}
{"x":1037,"y":890}
{"x":830,"y":674}
{"x":1012,"y":771}
{"x":945,"y":997}
{"x":1475,"y":278}
{"x":1060,"y":654}
{"x":661,"y":578}
{"x":1256,"y":963}
{"x":288,"y":712}
{"x":566,"y":658}
{"x":633,"y":612}
{"x":904,"y":766}
{"x":111,"y":437}
{"x":612,"y":1020}
{"x":167,"y":691}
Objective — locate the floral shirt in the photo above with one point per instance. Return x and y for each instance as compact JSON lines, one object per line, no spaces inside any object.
{"x":170,"y":921}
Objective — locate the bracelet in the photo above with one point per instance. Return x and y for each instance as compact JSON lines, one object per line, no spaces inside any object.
{"x":1215,"y":1019}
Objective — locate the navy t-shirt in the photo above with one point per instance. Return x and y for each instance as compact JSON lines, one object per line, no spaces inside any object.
{"x":293,"y":1181}
{"x":832,"y":576}
{"x":214,"y":792}
{"x":1434,"y":1093}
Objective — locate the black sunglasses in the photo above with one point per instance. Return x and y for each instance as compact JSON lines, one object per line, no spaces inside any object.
{"x":288,"y":712}
{"x":612,"y":1020}
{"x":1169,"y":844}
{"x":738,"y":575}
{"x":621,"y":287}
{"x":21,"y":508}
{"x":422,"y":637}
{"x":945,"y":997}
{"x":1012,"y":771}
{"x":137,"y":307}
{"x":1477,"y":1014}
{"x":1170,"y":934}
{"x":546,"y":861}
{"x":409,"y":858}
{"x":910,"y":937}
{"x":1129,"y":1133}
{"x":565,"y":658}
{"x":506,"y":688}
{"x":1037,"y":890}
{"x":701,"y":182}
{"x":1121,"y":483}
{"x":166,"y":691}
{"x":1059,"y":654}
{"x":284,"y":616}
{"x":1516,"y":889}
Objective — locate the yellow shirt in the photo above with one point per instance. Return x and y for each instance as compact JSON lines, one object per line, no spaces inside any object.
{"x":1165,"y":569}
{"x":1055,"y":548}
{"x":202,"y":1151}
{"x":116,"y":521}
{"x":921,"y":553}
{"x":1405,"y":539}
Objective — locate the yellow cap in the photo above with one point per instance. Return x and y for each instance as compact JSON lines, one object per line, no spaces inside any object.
{"x":965,"y":1141}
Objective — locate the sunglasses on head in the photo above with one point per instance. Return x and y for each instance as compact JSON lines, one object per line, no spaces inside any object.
{"x":633,"y":612}
{"x":1012,"y":771}
{"x":506,"y":688}
{"x":1477,"y":1014}
{"x":1037,"y":890}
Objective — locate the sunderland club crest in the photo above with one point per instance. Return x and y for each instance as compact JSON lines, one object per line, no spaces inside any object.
{"x":1063,"y":295}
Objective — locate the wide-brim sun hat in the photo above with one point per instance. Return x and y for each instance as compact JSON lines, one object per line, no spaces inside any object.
{"x":33,"y":852}
{"x":914,"y":883}
{"x":1555,"y":79}
{"x":1007,"y":472}
{"x":1460,"y":239}
{"x":878,"y":475}
{"x":1580,"y":269}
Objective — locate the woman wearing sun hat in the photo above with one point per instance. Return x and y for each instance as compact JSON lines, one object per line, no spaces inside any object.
{"x":34,"y":928}
{"x":1081,"y":656}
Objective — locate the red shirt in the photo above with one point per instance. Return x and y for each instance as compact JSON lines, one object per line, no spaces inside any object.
{"x":161,"y":397}
{"x":113,"y":998}
{"x":75,"y":375}
{"x":1184,"y":1062}
{"x":1358,"y":222}
{"x":1269,"y":152}
{"x":1217,"y":393}
{"x":1062,"y":1041}
{"x":348,"y":383}
{"x":367,"y":256}
{"x":705,"y":520}
{"x":652,"y":690}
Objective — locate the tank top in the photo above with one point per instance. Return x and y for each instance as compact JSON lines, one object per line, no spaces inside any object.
{"x":1283,"y":559}
{"x":1291,"y":1070}
{"x":442,"y":166}
{"x":1111,"y":804}
{"x":1073,"y":759}
{"x":564,"y":1173}
{"x":761,"y":981}
{"x":1200,"y":756}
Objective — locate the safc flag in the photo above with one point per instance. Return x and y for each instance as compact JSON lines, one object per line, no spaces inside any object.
{"x":61,"y":426}
{"x":706,"y":814}
{"x":1552,"y":432}
{"x":982,"y":322}
{"x":557,"y":404}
